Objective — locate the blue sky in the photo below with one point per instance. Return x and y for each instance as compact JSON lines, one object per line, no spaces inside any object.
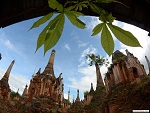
{"x":19,"y":44}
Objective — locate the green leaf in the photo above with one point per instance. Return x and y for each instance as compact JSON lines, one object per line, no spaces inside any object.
{"x":52,"y":26}
{"x":105,"y":1}
{"x":84,"y":5}
{"x":107,"y":40}
{"x":42,"y":20}
{"x":110,"y":18}
{"x":74,"y":20}
{"x":96,"y":8}
{"x":97,"y":29}
{"x":124,"y":36}
{"x":42,"y":36}
{"x":80,"y":5}
{"x":106,"y":17}
{"x":55,"y":5}
{"x":77,"y":13}
{"x":69,"y":8}
{"x":109,"y":1}
{"x":54,"y":34}
{"x":76,"y":8}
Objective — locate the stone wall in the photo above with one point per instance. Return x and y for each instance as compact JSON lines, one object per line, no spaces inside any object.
{"x":124,"y":71}
{"x":88,"y":99}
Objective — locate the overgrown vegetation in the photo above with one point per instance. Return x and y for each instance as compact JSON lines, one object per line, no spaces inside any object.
{"x":72,"y":10}
{"x":98,"y":99}
{"x":96,"y":59}
{"x":14,"y":94}
{"x":76,"y":107}
{"x":127,"y":96}
{"x":86,"y":93}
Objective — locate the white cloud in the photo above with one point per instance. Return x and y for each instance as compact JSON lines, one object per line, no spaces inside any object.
{"x":74,"y":35}
{"x":82,"y":63}
{"x":81,"y":44}
{"x":67,"y":47}
{"x":88,"y":77}
{"x":94,"y":21}
{"x":16,"y":81}
{"x":88,"y":50}
{"x":6,"y":42}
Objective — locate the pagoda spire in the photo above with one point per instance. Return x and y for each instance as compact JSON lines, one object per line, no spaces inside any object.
{"x":49,"y":68}
{"x":129,"y":54}
{"x":33,"y":74}
{"x":73,"y":99}
{"x":69,"y":95}
{"x":148,"y":63}
{"x":25,"y":92}
{"x":39,"y":72}
{"x":6,"y":76}
{"x":0,"y":56}
{"x":99,"y":76}
{"x":78,"y":98}
{"x":92,"y":89}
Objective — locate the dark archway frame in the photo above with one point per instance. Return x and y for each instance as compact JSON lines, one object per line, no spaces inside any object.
{"x":137,"y":13}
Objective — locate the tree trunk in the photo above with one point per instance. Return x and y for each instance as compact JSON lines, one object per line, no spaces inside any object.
{"x":99,"y":77}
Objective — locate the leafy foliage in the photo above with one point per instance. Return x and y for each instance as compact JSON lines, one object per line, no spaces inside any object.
{"x":97,"y":29}
{"x":14,"y":94}
{"x":55,"y":5}
{"x":93,"y":59}
{"x":124,"y":36}
{"x":53,"y":31}
{"x":107,"y":40}
{"x":73,"y":17}
{"x":79,"y":5}
{"x":86,"y":93}
{"x":97,"y":100}
{"x":42,"y":20}
{"x":72,"y":9}
{"x":105,"y":1}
